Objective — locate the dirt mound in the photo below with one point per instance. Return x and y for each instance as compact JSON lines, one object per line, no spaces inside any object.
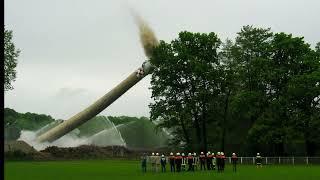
{"x":86,"y":152}
{"x":12,"y":146}
{"x":20,"y":150}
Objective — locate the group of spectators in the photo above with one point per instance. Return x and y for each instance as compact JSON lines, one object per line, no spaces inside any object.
{"x":188,"y":162}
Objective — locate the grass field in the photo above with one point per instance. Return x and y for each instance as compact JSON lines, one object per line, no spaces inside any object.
{"x":130,"y":170}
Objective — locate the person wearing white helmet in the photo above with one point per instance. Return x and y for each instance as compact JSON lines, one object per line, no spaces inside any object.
{"x":190,"y":162}
{"x":195,"y":161}
{"x":209,"y":160}
{"x":202,"y":159}
{"x":171,"y":161}
{"x":258,"y":160}
{"x":163,"y":162}
{"x":157,"y":162}
{"x":218,"y":160}
{"x":184,"y":162}
{"x":223,"y":161}
{"x":234,"y":160}
{"x":153,"y":162}
{"x":214,"y":161}
{"x":178,"y":162}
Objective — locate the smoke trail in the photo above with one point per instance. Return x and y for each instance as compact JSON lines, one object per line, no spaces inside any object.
{"x":147,"y":37}
{"x":66,"y":141}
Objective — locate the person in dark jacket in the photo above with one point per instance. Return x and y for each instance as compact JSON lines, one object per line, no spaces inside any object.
{"x":218,"y":161}
{"x":144,"y":162}
{"x":178,"y":162}
{"x":223,"y":161}
{"x":202,"y":159}
{"x":163,"y":162}
{"x":209,"y":161}
{"x":171,"y":161}
{"x":190,"y":162}
{"x":258,"y":160}
{"x":234,"y":160}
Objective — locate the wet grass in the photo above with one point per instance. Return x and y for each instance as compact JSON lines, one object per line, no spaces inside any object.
{"x":130,"y":170}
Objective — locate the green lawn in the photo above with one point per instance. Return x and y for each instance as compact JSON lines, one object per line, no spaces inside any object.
{"x":130,"y":170}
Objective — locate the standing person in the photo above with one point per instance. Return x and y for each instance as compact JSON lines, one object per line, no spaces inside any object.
{"x":153,"y":162}
{"x":195,"y":161}
{"x":218,"y":159}
{"x":178,"y":162}
{"x":234,"y":160}
{"x":157,"y":159}
{"x":190,"y":162}
{"x":184,"y":163}
{"x":202,"y":159}
{"x":144,"y":162}
{"x":223,"y":161}
{"x":258,"y":160}
{"x":163,"y":162}
{"x":171,"y":161}
{"x":209,"y":161}
{"x":214,"y":161}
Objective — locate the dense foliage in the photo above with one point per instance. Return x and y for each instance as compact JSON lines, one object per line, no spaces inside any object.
{"x":258,"y":93}
{"x":10,"y":60}
{"x":14,"y":122}
{"x":138,"y":133}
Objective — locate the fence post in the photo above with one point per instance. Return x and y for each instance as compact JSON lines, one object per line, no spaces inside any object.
{"x":266,"y":160}
{"x":252,"y":160}
{"x":307,"y":160}
{"x":230,"y":160}
{"x":279,"y":160}
{"x":241,"y":160}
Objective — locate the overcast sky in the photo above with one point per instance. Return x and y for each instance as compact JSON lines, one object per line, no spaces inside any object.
{"x":75,"y":51}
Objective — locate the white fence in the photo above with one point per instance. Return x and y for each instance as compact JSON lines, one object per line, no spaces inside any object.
{"x":279,"y":160}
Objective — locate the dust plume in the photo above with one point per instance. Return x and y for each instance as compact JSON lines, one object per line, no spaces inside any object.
{"x":147,"y":37}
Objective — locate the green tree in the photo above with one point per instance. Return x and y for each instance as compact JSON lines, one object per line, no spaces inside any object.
{"x":10,"y":60}
{"x":251,"y":52}
{"x":304,"y":96}
{"x":220,"y":107}
{"x":184,"y":83}
{"x":291,"y":78}
{"x":318,"y":47}
{"x":248,"y":59}
{"x":260,"y":91}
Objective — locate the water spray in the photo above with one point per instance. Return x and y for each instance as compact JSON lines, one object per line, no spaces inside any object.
{"x":149,"y":42}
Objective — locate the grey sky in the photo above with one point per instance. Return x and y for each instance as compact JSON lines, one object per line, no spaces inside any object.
{"x":73,"y":52}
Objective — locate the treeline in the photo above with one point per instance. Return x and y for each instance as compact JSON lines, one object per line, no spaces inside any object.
{"x":257,"y":93}
{"x":138,"y":133}
{"x":14,"y":122}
